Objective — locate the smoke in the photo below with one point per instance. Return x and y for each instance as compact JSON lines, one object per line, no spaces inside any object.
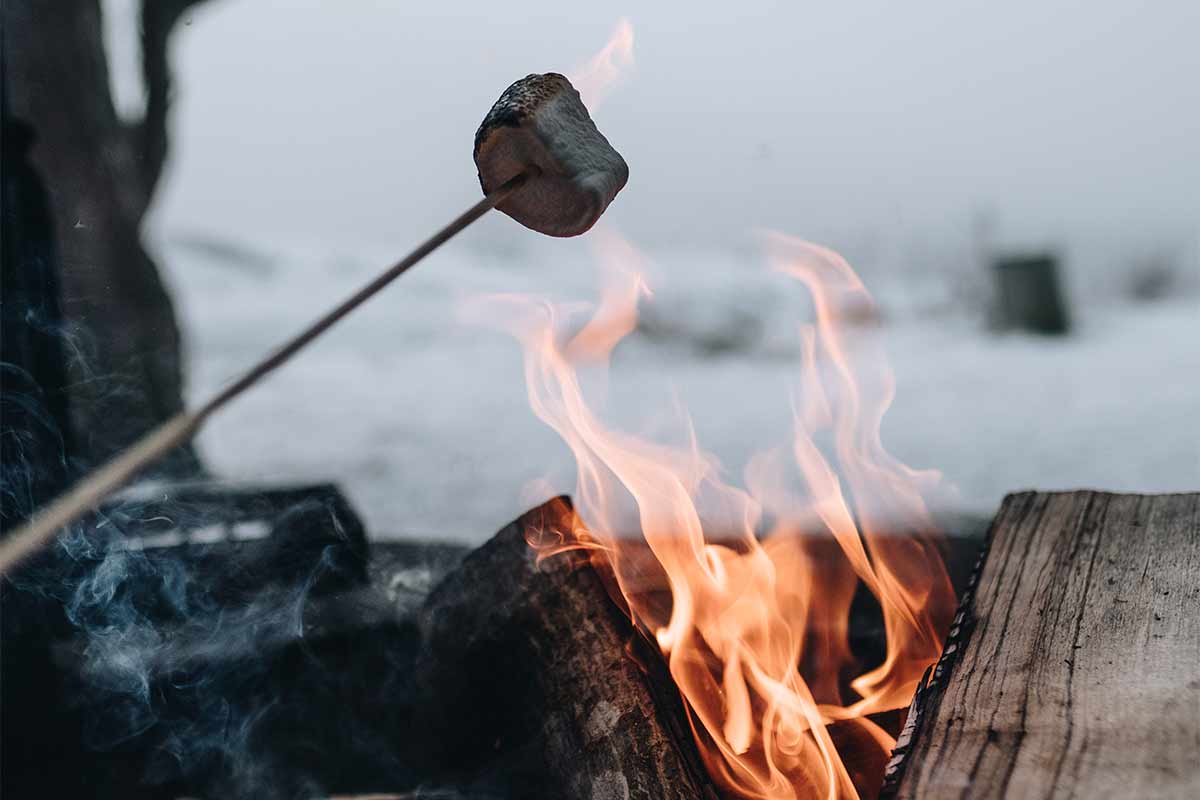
{"x":196,"y":664}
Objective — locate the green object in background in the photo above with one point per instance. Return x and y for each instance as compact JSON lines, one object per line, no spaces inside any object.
{"x":1029,"y":295}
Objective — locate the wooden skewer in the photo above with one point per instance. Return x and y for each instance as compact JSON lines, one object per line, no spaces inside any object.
{"x":92,"y":490}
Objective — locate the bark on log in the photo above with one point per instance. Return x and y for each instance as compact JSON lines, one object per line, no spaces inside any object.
{"x":1073,"y":667}
{"x":534,"y":666}
{"x":125,"y":367}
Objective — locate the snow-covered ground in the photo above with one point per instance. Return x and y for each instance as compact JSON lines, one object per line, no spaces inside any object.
{"x":422,"y":418}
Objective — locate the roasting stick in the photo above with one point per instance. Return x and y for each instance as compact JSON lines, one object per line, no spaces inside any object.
{"x":178,"y":430}
{"x":539,"y":131}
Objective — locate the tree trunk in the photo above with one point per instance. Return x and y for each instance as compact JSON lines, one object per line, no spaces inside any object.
{"x":124,"y":362}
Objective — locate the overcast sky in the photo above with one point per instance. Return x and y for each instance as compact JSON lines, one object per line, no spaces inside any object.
{"x":355,"y":119}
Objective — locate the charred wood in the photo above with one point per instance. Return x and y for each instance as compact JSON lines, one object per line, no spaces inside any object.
{"x":531,"y":671}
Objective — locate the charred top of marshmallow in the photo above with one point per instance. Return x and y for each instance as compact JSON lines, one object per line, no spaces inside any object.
{"x":519,"y":101}
{"x":540,"y":126}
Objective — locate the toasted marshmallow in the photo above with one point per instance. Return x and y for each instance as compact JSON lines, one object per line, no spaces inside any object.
{"x":540,"y":126}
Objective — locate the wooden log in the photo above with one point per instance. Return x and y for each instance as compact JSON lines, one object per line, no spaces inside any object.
{"x":537,"y":669}
{"x":1073,"y":667}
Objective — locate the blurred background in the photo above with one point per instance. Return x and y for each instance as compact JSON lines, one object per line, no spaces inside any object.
{"x":1016,"y":184}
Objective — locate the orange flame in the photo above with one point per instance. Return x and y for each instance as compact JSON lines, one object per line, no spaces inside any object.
{"x":756,"y":631}
{"x":600,"y":75}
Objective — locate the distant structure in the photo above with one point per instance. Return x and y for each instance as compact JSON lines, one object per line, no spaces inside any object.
{"x":1029,"y":295}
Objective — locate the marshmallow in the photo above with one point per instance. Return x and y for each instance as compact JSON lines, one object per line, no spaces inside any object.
{"x":540,"y":125}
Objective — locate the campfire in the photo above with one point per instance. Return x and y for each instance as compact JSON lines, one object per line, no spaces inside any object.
{"x":755,"y":627}
{"x":661,"y":628}
{"x":745,"y":592}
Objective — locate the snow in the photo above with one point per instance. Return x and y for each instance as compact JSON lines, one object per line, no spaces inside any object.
{"x":422,"y":417}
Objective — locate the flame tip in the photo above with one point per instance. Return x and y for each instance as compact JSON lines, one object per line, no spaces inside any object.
{"x":599,"y":75}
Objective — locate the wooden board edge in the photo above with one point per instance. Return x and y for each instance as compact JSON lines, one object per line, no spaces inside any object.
{"x":932,"y":686}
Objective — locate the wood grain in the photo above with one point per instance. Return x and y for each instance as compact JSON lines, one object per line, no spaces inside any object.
{"x":1073,"y":669}
{"x":529,"y":664}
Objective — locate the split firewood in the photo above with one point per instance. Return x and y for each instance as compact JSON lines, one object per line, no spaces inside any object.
{"x":1073,"y":666}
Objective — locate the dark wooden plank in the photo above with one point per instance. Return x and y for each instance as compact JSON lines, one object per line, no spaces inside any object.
{"x":1073,"y":669}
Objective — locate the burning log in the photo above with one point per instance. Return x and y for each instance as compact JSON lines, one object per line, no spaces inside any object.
{"x":535,"y":667}
{"x":1074,"y":658}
